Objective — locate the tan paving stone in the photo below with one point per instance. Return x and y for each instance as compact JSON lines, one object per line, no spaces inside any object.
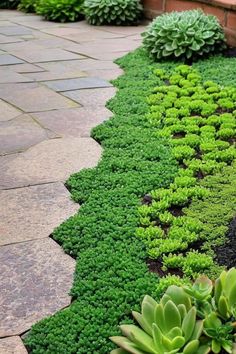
{"x":91,"y":97}
{"x":50,"y":75}
{"x":106,"y":74}
{"x":12,"y":345}
{"x":7,"y":111}
{"x":72,"y":122}
{"x":24,"y":68}
{"x":50,"y":161}
{"x":82,"y":65}
{"x":5,"y":39}
{"x":32,"y":98}
{"x":36,"y":277}
{"x":45,"y":55}
{"x":35,"y":210}
{"x":19,"y":134}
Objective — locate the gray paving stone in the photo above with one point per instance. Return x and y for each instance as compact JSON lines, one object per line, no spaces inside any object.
{"x":38,"y":98}
{"x":6,"y":39}
{"x":72,"y":122}
{"x":91,"y":97}
{"x":45,"y":55}
{"x":76,"y":84}
{"x":7,"y":75}
{"x":85,"y":64}
{"x":7,"y":59}
{"x":36,"y":277}
{"x":24,"y":68}
{"x":109,"y":74}
{"x":19,"y":134}
{"x":70,"y":73}
{"x":49,"y":161}
{"x":12,"y":345}
{"x":14,"y":30}
{"x":7,"y":111}
{"x":33,"y":212}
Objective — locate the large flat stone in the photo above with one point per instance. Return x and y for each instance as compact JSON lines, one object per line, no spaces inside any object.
{"x":35,"y":277}
{"x":19,"y":134}
{"x":12,"y":345}
{"x":14,"y":30}
{"x":44,"y":55}
{"x":50,"y":75}
{"x":7,"y":75}
{"x":24,"y":68}
{"x":107,"y":74}
{"x":7,"y":111}
{"x":72,"y":122}
{"x":33,"y":212}
{"x":76,"y":84}
{"x":91,"y":97}
{"x":6,"y":39}
{"x":85,"y":64}
{"x":7,"y":59}
{"x":32,"y":98}
{"x":50,"y":161}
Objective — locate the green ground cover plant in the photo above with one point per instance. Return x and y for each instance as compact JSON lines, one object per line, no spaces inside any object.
{"x":61,"y":10}
{"x":111,"y":274}
{"x":115,"y":12}
{"x":184,"y":34}
{"x":199,"y":119}
{"x":28,"y":5}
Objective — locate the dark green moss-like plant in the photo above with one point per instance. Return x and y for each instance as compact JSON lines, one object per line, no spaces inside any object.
{"x":184,"y":34}
{"x":9,"y":4}
{"x":113,"y":12}
{"x":61,"y":10}
{"x":28,"y":5}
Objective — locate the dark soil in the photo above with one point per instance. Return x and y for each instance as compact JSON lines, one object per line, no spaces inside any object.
{"x":147,"y":199}
{"x":230,"y":52}
{"x":176,"y":211}
{"x":226,"y":254}
{"x":155,"y":266}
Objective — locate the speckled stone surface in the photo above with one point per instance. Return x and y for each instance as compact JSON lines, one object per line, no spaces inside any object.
{"x":35,"y":210}
{"x":35,"y":278}
{"x":12,"y":345}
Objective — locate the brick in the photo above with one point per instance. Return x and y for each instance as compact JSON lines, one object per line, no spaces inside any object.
{"x":157,"y":5}
{"x":230,"y":36}
{"x":216,"y":11}
{"x":178,"y":5}
{"x":231,"y":20}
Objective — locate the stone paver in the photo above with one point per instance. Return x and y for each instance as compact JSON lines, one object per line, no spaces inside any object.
{"x":54,"y":84}
{"x":50,"y":161}
{"x":91,"y":97}
{"x":36,"y":211}
{"x":35,"y":278}
{"x":76,"y":84}
{"x":7,"y":111}
{"x":12,"y":345}
{"x":7,"y":59}
{"x":33,"y":98}
{"x":19,"y":134}
{"x":72,"y":122}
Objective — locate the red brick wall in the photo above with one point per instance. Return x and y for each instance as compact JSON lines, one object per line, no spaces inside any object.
{"x":225,"y":10}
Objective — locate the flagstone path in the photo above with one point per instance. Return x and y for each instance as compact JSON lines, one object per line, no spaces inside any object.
{"x":54,"y":82}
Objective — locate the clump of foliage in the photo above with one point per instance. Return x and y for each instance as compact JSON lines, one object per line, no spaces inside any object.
{"x":28,"y":5}
{"x":9,"y":4}
{"x":195,"y":319}
{"x":115,"y":12}
{"x":184,"y":34}
{"x":191,"y":114}
{"x":60,"y":10}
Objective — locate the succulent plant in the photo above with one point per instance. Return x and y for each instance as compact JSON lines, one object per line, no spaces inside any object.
{"x":225,"y":294}
{"x":168,"y":327}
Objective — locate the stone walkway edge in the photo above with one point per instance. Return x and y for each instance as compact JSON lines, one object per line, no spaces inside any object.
{"x":54,"y":84}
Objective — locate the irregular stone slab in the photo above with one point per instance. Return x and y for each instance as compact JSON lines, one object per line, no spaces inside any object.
{"x":70,"y":73}
{"x":9,"y":76}
{"x":85,"y":64}
{"x":24,"y":68}
{"x":34,"y":99}
{"x":76,"y":84}
{"x":33,"y":212}
{"x":5,"y":39}
{"x":7,"y":111}
{"x":12,"y":345}
{"x":50,"y":161}
{"x":72,"y":122}
{"x":14,"y":30}
{"x":7,"y":59}
{"x":36,"y":277}
{"x":19,"y":134}
{"x":91,"y":97}
{"x":125,"y":30}
{"x":105,"y":74}
{"x":44,"y":55}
